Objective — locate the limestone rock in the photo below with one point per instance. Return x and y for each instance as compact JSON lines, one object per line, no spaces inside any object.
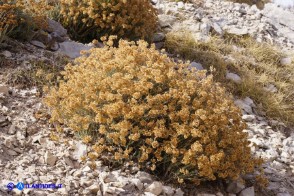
{"x":38,"y":44}
{"x":235,"y":187}
{"x":50,"y":159}
{"x":234,"y":77}
{"x":286,"y":61}
{"x":72,"y":49}
{"x":247,"y":192}
{"x":155,"y":188}
{"x":54,"y":26}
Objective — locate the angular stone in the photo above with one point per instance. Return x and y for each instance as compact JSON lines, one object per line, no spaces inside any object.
{"x":155,"y":188}
{"x":271,"y":88}
{"x":247,"y":192}
{"x":50,"y":159}
{"x":38,"y":44}
{"x":80,"y":150}
{"x":241,"y":104}
{"x":72,"y":49}
{"x":237,"y":31}
{"x":94,"y":188}
{"x":248,"y":118}
{"x":198,"y":66}
{"x":137,"y":183}
{"x":235,"y":187}
{"x":234,"y":77}
{"x":179,"y":192}
{"x":158,"y":37}
{"x":54,"y":26}
{"x":286,"y":61}
{"x":166,"y":20}
{"x":6,"y":53}
{"x":144,"y":177}
{"x":168,"y":190}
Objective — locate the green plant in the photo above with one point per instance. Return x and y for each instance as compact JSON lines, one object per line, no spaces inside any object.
{"x":145,"y":107}
{"x":87,"y":20}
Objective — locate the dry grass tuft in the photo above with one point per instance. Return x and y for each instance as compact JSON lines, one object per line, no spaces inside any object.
{"x":258,"y":64}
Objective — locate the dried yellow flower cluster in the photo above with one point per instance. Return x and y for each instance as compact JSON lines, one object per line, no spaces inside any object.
{"x":147,"y":108}
{"x":130,"y":19}
{"x":36,"y":9}
{"x":7,"y":19}
{"x":13,"y":13}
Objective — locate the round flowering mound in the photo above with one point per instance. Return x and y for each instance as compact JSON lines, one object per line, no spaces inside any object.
{"x":87,"y":19}
{"x":146,"y":108}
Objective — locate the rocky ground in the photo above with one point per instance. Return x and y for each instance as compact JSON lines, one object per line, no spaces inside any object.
{"x":30,"y":154}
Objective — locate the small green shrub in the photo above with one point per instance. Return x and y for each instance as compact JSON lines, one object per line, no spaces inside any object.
{"x":146,"y":108}
{"x":87,"y":20}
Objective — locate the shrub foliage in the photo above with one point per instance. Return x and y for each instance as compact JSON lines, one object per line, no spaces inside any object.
{"x":145,"y":107}
{"x":18,"y":18}
{"x":91,"y":19}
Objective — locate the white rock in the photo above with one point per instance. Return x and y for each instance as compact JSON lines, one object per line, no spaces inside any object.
{"x":137,"y":183}
{"x":69,"y":162}
{"x":144,"y":177}
{"x":237,"y":31}
{"x":284,"y":3}
{"x":168,"y":190}
{"x":234,"y":77}
{"x":180,"y":5}
{"x":235,"y":187}
{"x":6,"y":53}
{"x":50,"y":159}
{"x":108,"y":177}
{"x":86,"y":169}
{"x":179,"y":192}
{"x":155,"y":188}
{"x":38,"y":44}
{"x":248,"y":117}
{"x":271,"y":88}
{"x":166,"y":20}
{"x":80,"y":150}
{"x":149,"y":194}
{"x":219,"y":194}
{"x":158,"y":37}
{"x":63,"y":191}
{"x":286,"y":61}
{"x":54,"y":26}
{"x":217,"y":28}
{"x":94,"y":188}
{"x":198,"y":66}
{"x":247,"y":192}
{"x":72,"y":49}
{"x":12,"y":129}
{"x":77,"y":173}
{"x":241,"y":104}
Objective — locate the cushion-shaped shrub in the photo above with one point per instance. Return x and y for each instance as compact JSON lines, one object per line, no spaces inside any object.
{"x":146,"y":108}
{"x":91,"y":19}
